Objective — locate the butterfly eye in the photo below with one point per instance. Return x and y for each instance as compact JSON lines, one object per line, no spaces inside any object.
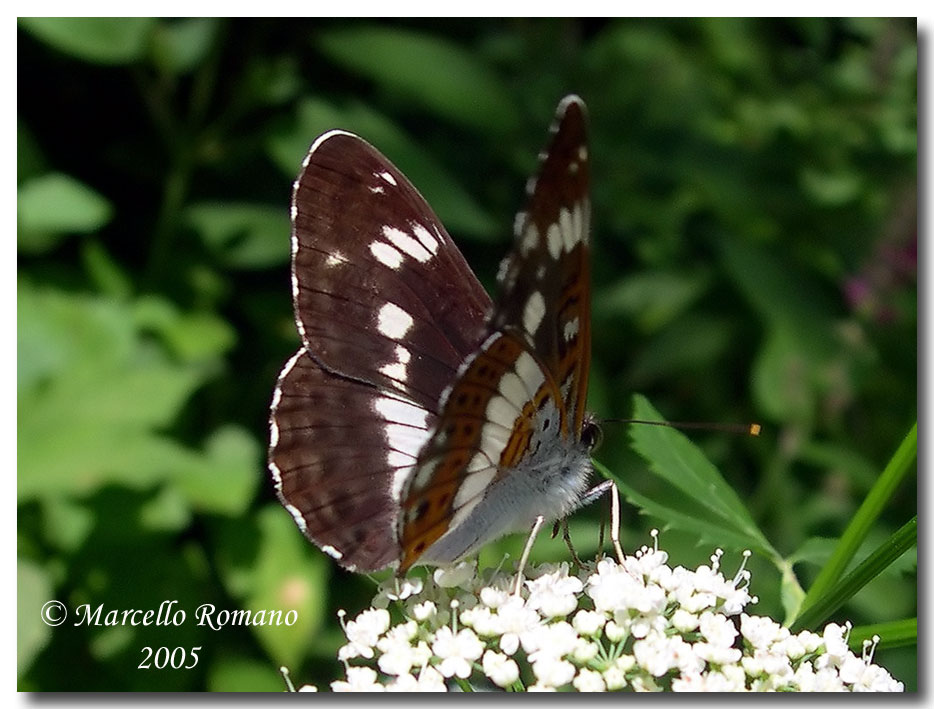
{"x":591,"y":435}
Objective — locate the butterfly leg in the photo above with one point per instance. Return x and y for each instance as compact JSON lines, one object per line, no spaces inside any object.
{"x":539,"y":521}
{"x":587,"y":498}
{"x":614,"y":522}
{"x":567,"y":540}
{"x":591,"y":495}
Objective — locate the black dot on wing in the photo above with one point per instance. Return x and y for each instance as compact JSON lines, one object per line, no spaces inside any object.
{"x":421,"y":509}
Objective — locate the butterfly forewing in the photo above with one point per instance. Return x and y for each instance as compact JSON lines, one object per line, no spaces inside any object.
{"x":545,"y":282}
{"x":381,"y":293}
{"x":513,"y":415}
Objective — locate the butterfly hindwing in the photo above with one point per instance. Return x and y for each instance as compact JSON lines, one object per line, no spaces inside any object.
{"x":343,"y":495}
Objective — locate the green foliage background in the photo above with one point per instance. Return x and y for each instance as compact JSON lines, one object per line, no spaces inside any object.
{"x":754,"y":260}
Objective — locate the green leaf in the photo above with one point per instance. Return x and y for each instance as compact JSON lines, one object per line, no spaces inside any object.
{"x":428,"y":70}
{"x":181,"y":44}
{"x":818,"y":550}
{"x":92,"y":396}
{"x":242,"y":674}
{"x":243,"y":235}
{"x":53,"y":205}
{"x":67,"y":524}
{"x":820,"y":608}
{"x":56,"y":330}
{"x":33,"y":590}
{"x":30,"y":162}
{"x":792,"y":594}
{"x":831,"y":189}
{"x":782,"y":378}
{"x":99,"y":40}
{"x":267,"y":564}
{"x":458,"y":211}
{"x":713,"y":506}
{"x":192,"y":337}
{"x":799,"y":306}
{"x":896,"y":633}
{"x":652,"y":300}
{"x":897,"y":469}
{"x":224,"y":479}
{"x":707,"y":530}
{"x":690,"y":344}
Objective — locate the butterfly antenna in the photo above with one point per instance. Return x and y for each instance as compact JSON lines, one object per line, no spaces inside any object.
{"x":746,"y":429}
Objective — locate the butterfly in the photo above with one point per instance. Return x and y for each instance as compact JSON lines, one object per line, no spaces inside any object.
{"x":420,"y":420}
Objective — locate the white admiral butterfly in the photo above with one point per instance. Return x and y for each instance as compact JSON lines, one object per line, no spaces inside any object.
{"x":418,"y":420}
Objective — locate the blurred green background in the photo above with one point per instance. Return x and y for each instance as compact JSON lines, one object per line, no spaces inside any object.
{"x":754,"y":187}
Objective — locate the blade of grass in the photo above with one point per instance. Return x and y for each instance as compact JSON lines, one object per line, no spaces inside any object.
{"x":896,"y":545}
{"x":865,"y":516}
{"x":897,"y":633}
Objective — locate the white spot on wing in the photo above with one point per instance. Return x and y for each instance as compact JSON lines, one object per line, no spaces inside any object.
{"x":423,"y":475}
{"x":335,"y":258}
{"x":387,"y":176}
{"x":462,"y":514}
{"x":377,"y":190}
{"x":398,"y":370}
{"x":529,"y":240}
{"x":477,"y":463}
{"x":393,"y":321}
{"x":571,"y":328}
{"x":533,"y":313}
{"x":395,"y":370}
{"x":332,"y":552}
{"x":512,"y":388}
{"x":399,"y":411}
{"x":473,"y":485}
{"x":493,"y":440}
{"x":519,"y":224}
{"x":274,"y":427}
{"x":406,"y":433}
{"x":554,"y":241}
{"x":386,"y":254}
{"x":406,"y":243}
{"x":502,"y":411}
{"x":530,"y":373}
{"x":569,"y":236}
{"x":424,"y":236}
{"x":296,"y":515}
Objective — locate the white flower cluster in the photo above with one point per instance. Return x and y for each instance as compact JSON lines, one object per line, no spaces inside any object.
{"x":642,"y":627}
